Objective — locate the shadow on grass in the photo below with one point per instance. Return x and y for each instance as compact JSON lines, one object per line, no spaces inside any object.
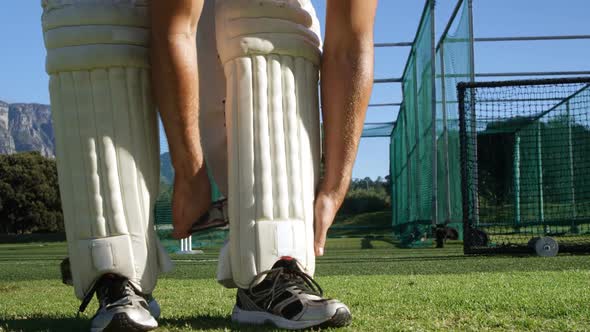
{"x":215,"y":322}
{"x":41,"y":323}
{"x":51,"y":324}
{"x":210,"y":322}
{"x":197,"y":322}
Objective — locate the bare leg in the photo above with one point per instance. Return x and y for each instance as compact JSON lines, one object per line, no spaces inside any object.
{"x":176,"y":87}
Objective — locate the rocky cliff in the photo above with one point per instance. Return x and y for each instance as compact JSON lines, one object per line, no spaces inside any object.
{"x":26,"y":127}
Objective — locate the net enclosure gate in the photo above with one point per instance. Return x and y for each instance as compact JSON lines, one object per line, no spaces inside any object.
{"x":525,"y":164}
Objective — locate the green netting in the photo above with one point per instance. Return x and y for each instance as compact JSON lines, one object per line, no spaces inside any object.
{"x":412,"y":139}
{"x":454,"y":65}
{"x":527,"y":163}
{"x":417,"y":200}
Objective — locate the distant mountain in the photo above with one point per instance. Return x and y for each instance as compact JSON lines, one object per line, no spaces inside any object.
{"x":26,"y":127}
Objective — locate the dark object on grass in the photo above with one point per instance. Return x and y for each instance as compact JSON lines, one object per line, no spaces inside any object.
{"x":66,"y":272}
{"x":478,"y":238}
{"x":546,"y":247}
{"x":443,"y":233}
{"x":366,"y":243}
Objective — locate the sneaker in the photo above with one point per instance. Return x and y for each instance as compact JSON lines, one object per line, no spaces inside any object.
{"x":288,"y":298}
{"x":121,"y":306}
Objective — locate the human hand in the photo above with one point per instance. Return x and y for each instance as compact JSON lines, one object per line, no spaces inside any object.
{"x":326,"y":206}
{"x":190,"y":200}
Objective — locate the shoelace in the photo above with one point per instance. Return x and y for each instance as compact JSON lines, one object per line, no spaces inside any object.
{"x":303,"y":282}
{"x":110,"y":295}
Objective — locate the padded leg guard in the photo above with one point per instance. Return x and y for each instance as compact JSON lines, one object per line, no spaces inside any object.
{"x":270,"y":56}
{"x":106,"y":138}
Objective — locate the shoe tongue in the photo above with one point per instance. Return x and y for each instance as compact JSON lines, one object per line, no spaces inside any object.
{"x":114,"y":286}
{"x":287,"y":263}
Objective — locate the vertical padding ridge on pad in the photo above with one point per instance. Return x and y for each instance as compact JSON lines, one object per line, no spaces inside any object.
{"x":310,"y":145}
{"x":120,"y":103}
{"x":88,"y":141}
{"x":311,"y":149}
{"x":233,"y":200}
{"x":263,"y":153}
{"x":65,"y":182}
{"x":243,"y":259}
{"x":292,"y":132}
{"x":277,"y":138}
{"x":246,"y":158}
{"x":150,"y":166}
{"x":74,"y":154}
{"x":100,"y":112}
{"x":129,"y":151}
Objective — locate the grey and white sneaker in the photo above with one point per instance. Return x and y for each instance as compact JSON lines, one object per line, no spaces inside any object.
{"x":289,"y":299}
{"x":121,"y":306}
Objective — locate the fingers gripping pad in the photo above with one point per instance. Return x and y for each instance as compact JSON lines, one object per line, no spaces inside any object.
{"x":272,"y":117}
{"x":106,"y":137}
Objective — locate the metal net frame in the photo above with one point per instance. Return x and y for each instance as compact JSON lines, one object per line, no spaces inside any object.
{"x":525,"y":164}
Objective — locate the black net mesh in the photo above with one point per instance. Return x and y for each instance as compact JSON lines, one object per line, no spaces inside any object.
{"x":525,"y":152}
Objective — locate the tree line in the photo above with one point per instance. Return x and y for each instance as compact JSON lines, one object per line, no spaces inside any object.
{"x":30,"y":201}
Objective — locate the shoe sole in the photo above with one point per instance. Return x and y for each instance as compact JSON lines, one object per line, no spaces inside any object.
{"x":341,"y":318}
{"x":122,"y":323}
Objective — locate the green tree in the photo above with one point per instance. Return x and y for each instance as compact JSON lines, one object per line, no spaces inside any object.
{"x":29,"y":194}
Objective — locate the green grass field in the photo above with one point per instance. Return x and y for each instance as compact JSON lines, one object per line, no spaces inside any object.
{"x":388,"y":289}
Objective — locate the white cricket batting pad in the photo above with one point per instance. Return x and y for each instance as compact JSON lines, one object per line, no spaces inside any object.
{"x":106,"y":138}
{"x":270,"y":56}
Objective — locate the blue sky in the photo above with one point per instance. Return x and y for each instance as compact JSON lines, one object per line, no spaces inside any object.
{"x":23,"y":78}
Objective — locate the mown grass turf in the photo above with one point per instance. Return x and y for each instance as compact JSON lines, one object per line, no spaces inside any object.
{"x":388,"y":289}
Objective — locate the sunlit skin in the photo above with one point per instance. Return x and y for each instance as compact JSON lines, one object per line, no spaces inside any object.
{"x":347,"y":78}
{"x":175,"y":82}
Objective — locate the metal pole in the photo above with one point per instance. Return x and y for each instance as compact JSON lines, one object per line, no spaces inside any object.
{"x":471,"y":41}
{"x":507,"y":100}
{"x":474,"y":170}
{"x":416,"y":136}
{"x":387,"y":80}
{"x":385,"y":104}
{"x":532,"y":38}
{"x":433,"y":111}
{"x":400,"y":44}
{"x":516,"y":171}
{"x":445,"y":134}
{"x":540,"y":175}
{"x":393,"y":178}
{"x":548,"y":73}
{"x":408,"y":162}
{"x":571,"y":163}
